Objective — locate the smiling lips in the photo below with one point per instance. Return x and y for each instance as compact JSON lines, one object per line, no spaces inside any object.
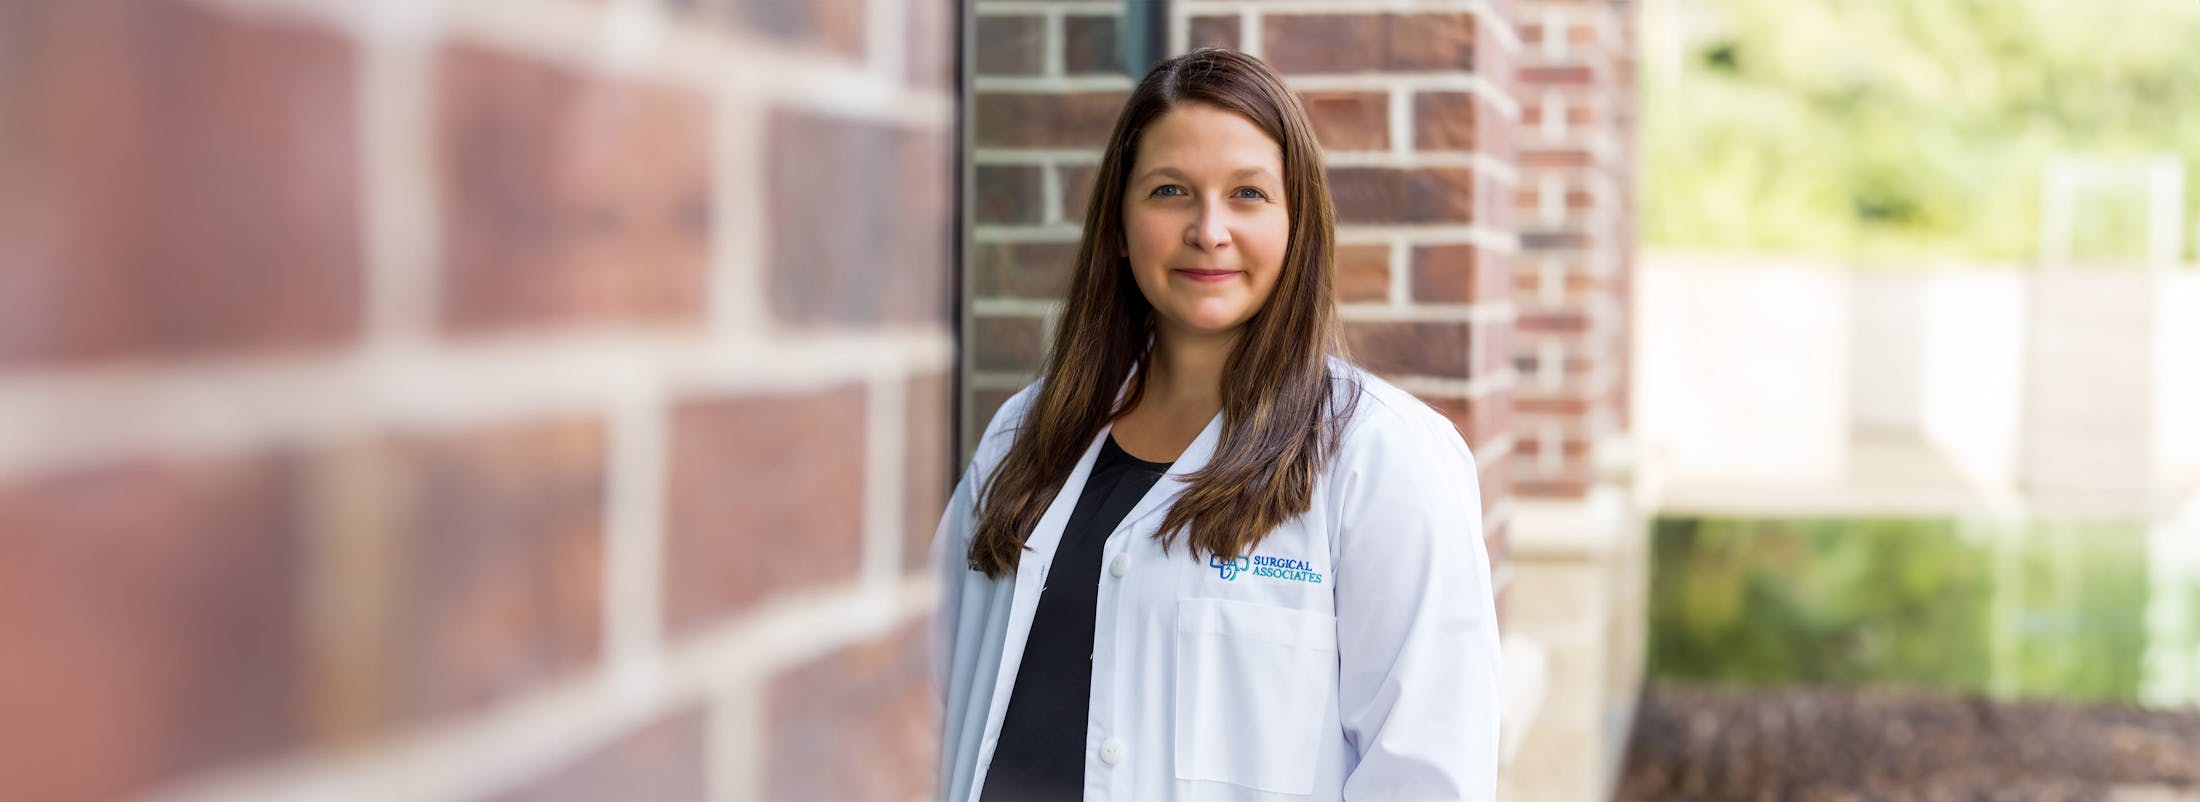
{"x":1206,"y":276}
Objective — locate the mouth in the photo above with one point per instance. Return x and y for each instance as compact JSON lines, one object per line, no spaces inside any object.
{"x":1206,"y":276}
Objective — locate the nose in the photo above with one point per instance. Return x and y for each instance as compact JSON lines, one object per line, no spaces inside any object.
{"x":1210,"y":231}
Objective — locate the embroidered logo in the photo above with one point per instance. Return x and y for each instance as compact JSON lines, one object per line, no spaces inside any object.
{"x":1261,"y":565}
{"x":1229,"y":568}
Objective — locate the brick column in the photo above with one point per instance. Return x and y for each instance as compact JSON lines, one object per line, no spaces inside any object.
{"x":448,"y":401}
{"x":1580,"y":544}
{"x":1576,"y":244}
{"x":1047,"y":82}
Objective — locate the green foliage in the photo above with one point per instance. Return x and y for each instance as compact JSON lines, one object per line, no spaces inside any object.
{"x":2051,"y":609}
{"x":1904,"y":130}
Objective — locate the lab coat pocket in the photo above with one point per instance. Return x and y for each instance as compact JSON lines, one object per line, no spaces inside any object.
{"x":1252,"y":683}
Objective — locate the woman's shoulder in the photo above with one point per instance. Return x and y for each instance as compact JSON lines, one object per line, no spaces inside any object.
{"x":1001,"y":431}
{"x":1388,"y":422}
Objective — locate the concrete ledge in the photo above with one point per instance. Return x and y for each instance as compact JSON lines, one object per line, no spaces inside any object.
{"x":1587,"y":528}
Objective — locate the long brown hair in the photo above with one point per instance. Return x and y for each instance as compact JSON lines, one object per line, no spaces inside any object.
{"x":1281,"y":416}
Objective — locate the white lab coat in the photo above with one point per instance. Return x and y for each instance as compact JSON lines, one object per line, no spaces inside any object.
{"x":1352,"y":655}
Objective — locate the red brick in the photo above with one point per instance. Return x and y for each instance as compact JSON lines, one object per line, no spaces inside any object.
{"x":1044,"y":119}
{"x":1222,"y":32}
{"x":1091,"y":45}
{"x":1561,"y":488}
{"x":1437,"y":349}
{"x":498,"y":537}
{"x":175,"y":182}
{"x":1534,"y":447}
{"x":764,"y":496}
{"x":1566,"y":322}
{"x":1035,"y":270}
{"x":1445,"y":274}
{"x":1481,"y":419}
{"x":860,"y":230}
{"x":870,"y":699}
{"x":1010,"y":45}
{"x":1008,"y":194}
{"x":1568,"y":75}
{"x":1007,"y":344}
{"x":1351,"y":43}
{"x":1576,"y":291}
{"x":835,"y":26}
{"x":1395,"y":195}
{"x":1556,"y":157}
{"x":1555,"y":405}
{"x":666,"y":759}
{"x":153,"y":622}
{"x":1350,"y":120}
{"x":1363,"y":273}
{"x":569,"y":198}
{"x":928,"y":471}
{"x":1076,"y":183}
{"x":1445,"y":120}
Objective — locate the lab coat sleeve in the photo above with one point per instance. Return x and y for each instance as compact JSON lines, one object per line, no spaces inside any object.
{"x":950,"y":544}
{"x":1416,"y":620}
{"x":951,"y":541}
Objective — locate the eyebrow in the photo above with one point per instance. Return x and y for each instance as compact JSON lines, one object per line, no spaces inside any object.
{"x":1241,"y":172}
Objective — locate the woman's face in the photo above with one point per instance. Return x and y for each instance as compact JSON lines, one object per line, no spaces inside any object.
{"x":1204,"y":218}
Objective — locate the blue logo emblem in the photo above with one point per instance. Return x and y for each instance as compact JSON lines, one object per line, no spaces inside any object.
{"x":1229,"y":568}
{"x":1260,"y":565}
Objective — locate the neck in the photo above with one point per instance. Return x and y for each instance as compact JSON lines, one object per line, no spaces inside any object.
{"x":1186,"y":370}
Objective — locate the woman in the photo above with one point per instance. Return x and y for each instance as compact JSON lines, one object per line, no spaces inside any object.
{"x":1203,"y":557}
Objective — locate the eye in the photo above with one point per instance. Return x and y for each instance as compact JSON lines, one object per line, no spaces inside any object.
{"x":1249,"y":193}
{"x":1168,"y":191}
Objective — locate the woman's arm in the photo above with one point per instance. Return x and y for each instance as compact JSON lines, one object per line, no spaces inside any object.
{"x":1416,"y":622}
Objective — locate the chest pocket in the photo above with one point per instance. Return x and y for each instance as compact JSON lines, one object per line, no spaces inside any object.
{"x":1252,"y":684}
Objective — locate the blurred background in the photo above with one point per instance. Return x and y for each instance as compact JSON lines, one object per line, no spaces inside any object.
{"x":1929,"y":530}
{"x":555,"y":399}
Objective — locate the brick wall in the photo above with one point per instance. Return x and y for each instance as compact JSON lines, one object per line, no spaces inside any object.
{"x":1575,"y":204}
{"x":1415,"y":110}
{"x":415,"y":400}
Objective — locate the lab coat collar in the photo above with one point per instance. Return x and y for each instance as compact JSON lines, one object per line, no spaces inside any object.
{"x":1173,"y":483}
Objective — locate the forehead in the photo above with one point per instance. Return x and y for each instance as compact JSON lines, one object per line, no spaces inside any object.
{"x":1198,"y":138}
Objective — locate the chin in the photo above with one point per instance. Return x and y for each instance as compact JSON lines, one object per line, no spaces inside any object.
{"x":1208,"y":324}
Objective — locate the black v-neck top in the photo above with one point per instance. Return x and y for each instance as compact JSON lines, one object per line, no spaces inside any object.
{"x":1040,"y":754}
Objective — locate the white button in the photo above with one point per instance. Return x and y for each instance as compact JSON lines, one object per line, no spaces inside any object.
{"x":1111,"y":751}
{"x":1121,"y":565}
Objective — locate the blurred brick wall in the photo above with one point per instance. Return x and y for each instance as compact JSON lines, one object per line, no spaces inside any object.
{"x":545,"y":399}
{"x":1575,"y":204}
{"x":1416,"y":113}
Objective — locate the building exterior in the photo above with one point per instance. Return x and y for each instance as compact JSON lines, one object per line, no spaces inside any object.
{"x":554,"y":399}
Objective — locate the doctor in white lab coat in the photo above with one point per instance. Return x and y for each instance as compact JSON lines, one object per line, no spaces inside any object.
{"x":1300,"y":605}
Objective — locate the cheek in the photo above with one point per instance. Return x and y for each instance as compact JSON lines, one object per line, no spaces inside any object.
{"x":1265,"y":246}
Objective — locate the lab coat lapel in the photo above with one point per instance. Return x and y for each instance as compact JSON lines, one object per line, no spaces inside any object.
{"x":1172,"y":484}
{"x":1031,"y":572}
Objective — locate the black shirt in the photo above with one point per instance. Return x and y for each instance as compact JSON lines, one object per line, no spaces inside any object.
{"x":1041,"y":752}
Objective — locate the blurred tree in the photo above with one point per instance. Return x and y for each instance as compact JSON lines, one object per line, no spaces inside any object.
{"x":1902,"y":130}
{"x":1901,"y":602}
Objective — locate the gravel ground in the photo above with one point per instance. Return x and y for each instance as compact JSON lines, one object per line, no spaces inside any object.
{"x":1820,"y":745}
